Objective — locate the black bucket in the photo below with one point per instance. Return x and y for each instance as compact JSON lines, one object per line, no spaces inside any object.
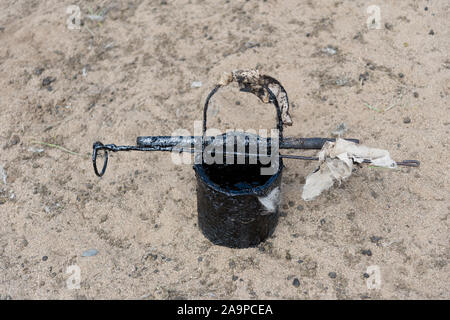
{"x":237,"y":206}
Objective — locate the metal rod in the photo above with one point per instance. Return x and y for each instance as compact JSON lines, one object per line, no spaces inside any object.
{"x":405,"y":163}
{"x":112,"y":147}
{"x":190,"y":141}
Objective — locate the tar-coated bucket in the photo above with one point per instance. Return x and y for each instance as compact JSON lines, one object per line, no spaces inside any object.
{"x":237,"y":206}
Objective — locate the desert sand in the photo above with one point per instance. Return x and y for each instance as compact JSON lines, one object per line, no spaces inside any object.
{"x":128,"y":71}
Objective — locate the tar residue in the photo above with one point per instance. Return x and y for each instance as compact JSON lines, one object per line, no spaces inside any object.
{"x":230,"y":210}
{"x":236,"y":176}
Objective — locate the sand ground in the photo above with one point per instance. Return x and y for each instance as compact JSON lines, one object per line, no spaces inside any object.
{"x":131,"y":75}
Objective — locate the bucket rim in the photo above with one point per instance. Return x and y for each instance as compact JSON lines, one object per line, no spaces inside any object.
{"x":259,"y":190}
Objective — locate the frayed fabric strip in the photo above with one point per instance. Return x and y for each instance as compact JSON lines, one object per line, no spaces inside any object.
{"x":336,"y":164}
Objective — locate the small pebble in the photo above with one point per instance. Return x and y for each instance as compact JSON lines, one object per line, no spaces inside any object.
{"x":366,"y":275}
{"x":332,"y":275}
{"x":291,"y":203}
{"x":371,"y":66}
{"x":44,"y":258}
{"x":299,"y":207}
{"x":407,"y":120}
{"x":89,"y":253}
{"x":431,"y":33}
{"x":234,"y":278}
{"x":196,"y":84}
{"x":47,"y":81}
{"x":296,"y":283}
{"x":363,"y":77}
{"x":416,"y":94}
{"x":38,"y":71}
{"x":340,"y":129}
{"x":358,"y":36}
{"x":154,"y":257}
{"x":367,"y":252}
{"x":375,"y":239}
{"x":250,"y":44}
{"x":426,"y":8}
{"x":330,"y":50}
{"x":341,"y":82}
{"x":401,"y":75}
{"x":15,"y":139}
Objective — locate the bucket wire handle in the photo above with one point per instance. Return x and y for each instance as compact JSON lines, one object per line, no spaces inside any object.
{"x":272,"y":98}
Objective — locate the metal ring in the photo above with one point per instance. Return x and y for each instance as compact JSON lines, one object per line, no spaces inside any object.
{"x":99,"y":146}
